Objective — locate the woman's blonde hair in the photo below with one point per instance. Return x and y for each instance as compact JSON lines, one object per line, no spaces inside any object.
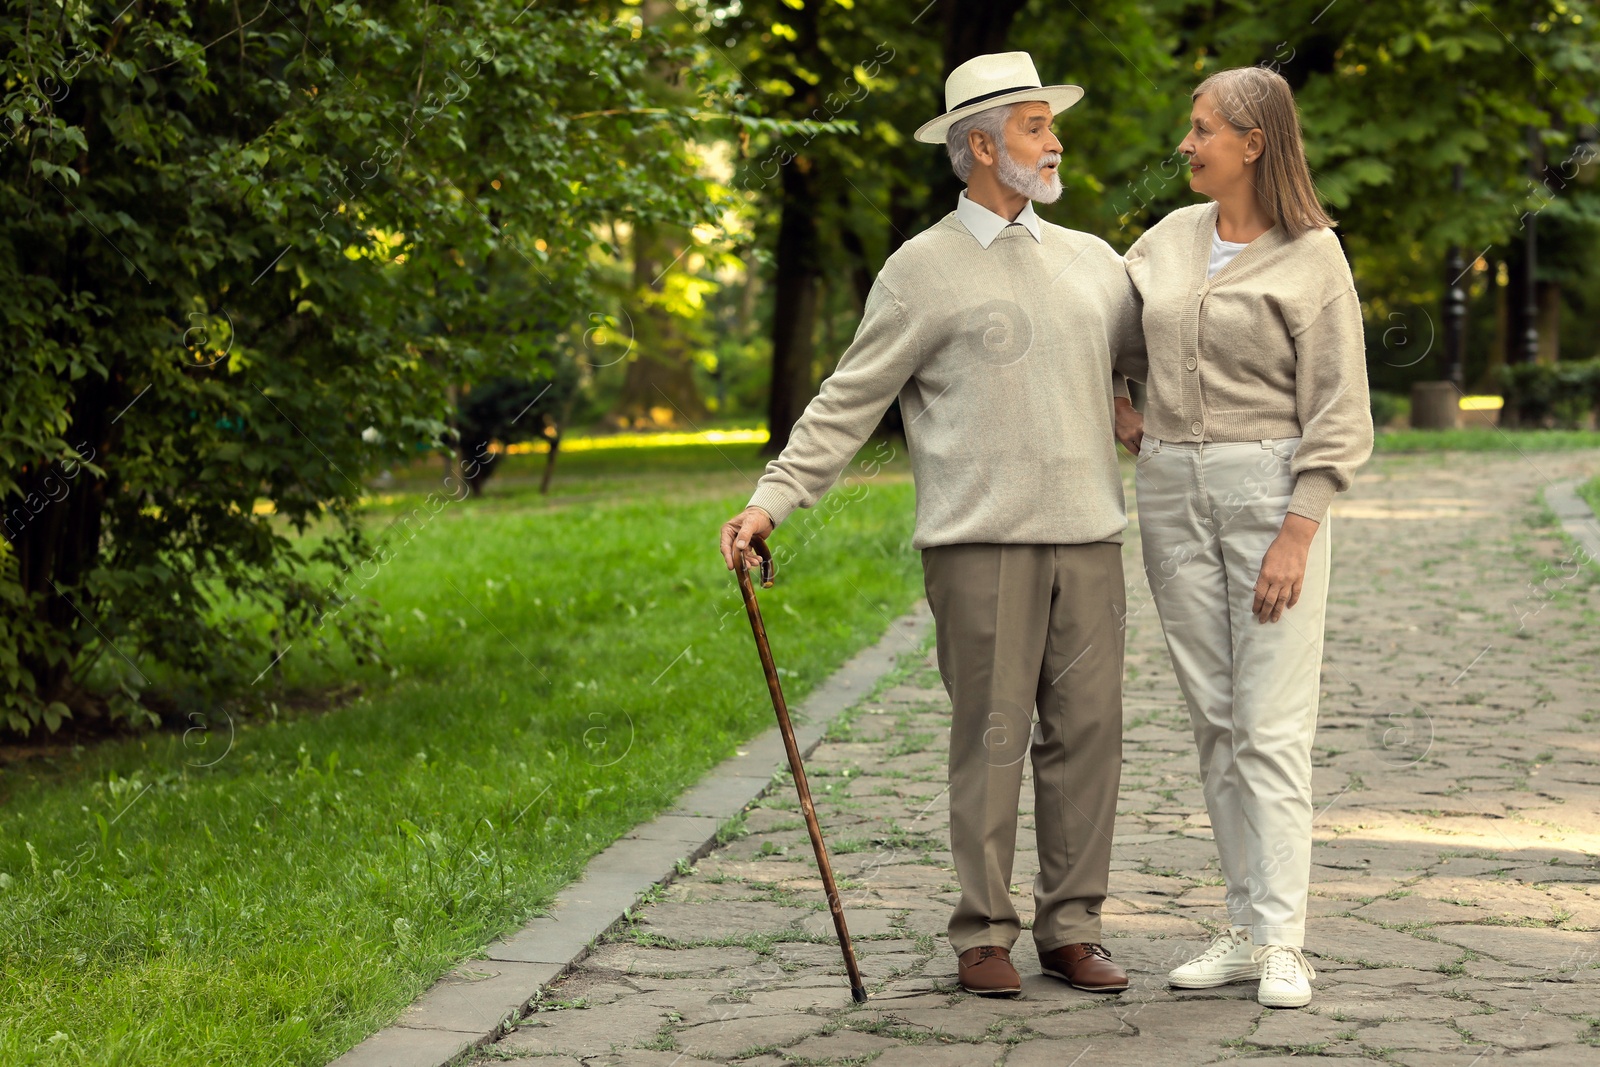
{"x":1257,"y":98}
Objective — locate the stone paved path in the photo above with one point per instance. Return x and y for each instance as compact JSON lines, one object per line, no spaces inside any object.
{"x":1455,"y":889}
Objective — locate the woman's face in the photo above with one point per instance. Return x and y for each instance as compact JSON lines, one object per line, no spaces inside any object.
{"x":1215,"y":151}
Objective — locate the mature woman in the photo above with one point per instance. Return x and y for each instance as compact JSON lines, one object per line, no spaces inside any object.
{"x":1257,"y":414}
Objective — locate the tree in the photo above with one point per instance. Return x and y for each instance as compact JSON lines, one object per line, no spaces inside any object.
{"x":230,"y":246}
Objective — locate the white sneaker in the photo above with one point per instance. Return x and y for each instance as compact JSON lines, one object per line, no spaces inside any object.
{"x":1285,"y":976}
{"x":1229,"y":959}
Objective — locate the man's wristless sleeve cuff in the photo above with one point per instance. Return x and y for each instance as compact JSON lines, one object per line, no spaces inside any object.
{"x":772,"y":501}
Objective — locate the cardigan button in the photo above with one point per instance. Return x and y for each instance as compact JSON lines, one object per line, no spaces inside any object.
{"x":1191,"y":363}
{"x":1195,"y":428}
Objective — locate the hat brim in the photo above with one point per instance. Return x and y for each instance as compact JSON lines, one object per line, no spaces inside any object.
{"x":1059,"y":97}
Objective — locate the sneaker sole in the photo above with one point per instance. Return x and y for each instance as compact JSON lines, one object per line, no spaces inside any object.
{"x":1085,"y":988}
{"x":1284,"y":1002}
{"x":1252,"y":975}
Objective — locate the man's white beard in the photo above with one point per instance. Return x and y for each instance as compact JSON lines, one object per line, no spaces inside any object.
{"x":1030,"y":181}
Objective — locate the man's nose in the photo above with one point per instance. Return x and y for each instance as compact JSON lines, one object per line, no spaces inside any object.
{"x":1055,"y":144}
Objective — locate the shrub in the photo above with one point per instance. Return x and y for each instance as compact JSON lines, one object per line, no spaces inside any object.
{"x":1551,"y":394}
{"x":1389,"y":409}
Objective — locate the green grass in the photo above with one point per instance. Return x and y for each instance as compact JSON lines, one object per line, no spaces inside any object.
{"x":1590,"y":491}
{"x":1485,"y":439}
{"x":272,"y":890}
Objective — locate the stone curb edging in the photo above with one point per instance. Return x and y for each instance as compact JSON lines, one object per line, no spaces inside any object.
{"x":1576,"y":517}
{"x":472,"y":1005}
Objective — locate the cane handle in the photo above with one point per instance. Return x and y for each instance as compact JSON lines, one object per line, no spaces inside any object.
{"x":759,"y":544}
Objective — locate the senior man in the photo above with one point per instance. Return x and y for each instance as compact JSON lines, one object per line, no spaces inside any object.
{"x":998,"y":331}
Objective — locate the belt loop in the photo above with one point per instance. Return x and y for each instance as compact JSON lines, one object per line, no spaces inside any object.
{"x":1268,"y":442}
{"x":1155,"y":445}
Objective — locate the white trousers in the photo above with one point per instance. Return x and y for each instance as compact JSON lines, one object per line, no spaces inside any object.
{"x":1207,"y":514}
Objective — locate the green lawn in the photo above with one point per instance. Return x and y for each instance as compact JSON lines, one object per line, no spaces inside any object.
{"x":1485,"y":439}
{"x":274,"y":890}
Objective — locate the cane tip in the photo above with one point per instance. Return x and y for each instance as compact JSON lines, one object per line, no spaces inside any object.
{"x":858,"y":994}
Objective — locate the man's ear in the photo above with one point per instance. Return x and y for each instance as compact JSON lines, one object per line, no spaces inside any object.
{"x":982,"y":147}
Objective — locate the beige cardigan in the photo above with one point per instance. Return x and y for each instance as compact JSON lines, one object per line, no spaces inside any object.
{"x":1271,"y":346}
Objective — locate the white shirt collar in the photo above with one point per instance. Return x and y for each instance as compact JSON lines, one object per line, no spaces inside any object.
{"x":985,"y":225}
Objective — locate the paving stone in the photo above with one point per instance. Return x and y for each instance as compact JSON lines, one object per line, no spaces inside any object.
{"x":1518,"y":1031}
{"x":861,"y":922}
{"x":1411,"y":1034}
{"x":1558,"y":950}
{"x":833,"y":996}
{"x":936,"y":1055}
{"x":1357,"y":942}
{"x":397,"y":1046}
{"x":730,"y":918}
{"x":478,"y":996}
{"x":1554,"y":998}
{"x":1411,"y":910}
{"x":961,"y":1020}
{"x":1384,"y":977}
{"x":641,"y":959}
{"x":728,"y":1038}
{"x":630,"y":1058}
{"x":586,"y":1031}
{"x":1112,"y":1052}
{"x":1087,"y":1023}
{"x":839,"y":1045}
{"x":1300,"y":1030}
{"x":1180,"y":1020}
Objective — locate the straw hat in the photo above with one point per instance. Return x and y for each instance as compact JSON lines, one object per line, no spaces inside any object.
{"x":989,"y":81}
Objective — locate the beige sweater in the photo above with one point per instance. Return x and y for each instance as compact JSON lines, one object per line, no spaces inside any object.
{"x":1271,"y":346}
{"x":1002,"y":359}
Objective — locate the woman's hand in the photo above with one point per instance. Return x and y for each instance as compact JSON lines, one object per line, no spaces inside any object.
{"x":1284,"y":568}
{"x":1129,"y":426}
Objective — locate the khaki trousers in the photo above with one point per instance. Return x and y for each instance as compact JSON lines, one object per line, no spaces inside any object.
{"x":1021,"y":626}
{"x":1207,"y":514}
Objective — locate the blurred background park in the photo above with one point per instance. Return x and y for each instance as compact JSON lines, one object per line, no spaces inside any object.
{"x":378,"y":376}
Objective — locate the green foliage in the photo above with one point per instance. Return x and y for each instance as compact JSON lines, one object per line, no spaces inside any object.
{"x":1560,"y":394}
{"x":228,"y":249}
{"x":512,"y":410}
{"x":1389,"y":409}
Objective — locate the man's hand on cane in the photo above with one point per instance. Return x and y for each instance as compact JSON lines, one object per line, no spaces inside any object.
{"x":737,"y":531}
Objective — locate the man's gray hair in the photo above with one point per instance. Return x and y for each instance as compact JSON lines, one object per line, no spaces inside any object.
{"x":991,"y":121}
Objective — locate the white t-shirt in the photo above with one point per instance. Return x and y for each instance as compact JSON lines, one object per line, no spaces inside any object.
{"x":1221,"y":252}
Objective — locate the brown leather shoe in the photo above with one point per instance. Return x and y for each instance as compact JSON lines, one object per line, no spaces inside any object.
{"x":1084,"y":966}
{"x":987,"y":971}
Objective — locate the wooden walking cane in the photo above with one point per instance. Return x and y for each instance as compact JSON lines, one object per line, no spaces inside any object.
{"x":857,"y":990}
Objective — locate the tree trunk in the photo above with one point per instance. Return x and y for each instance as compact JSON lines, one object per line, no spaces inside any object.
{"x":794,"y":311}
{"x":550,"y":465}
{"x":660,"y":387}
{"x":1549,"y":322}
{"x":54,"y":526}
{"x":1516,"y":319}
{"x":1489,"y":381}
